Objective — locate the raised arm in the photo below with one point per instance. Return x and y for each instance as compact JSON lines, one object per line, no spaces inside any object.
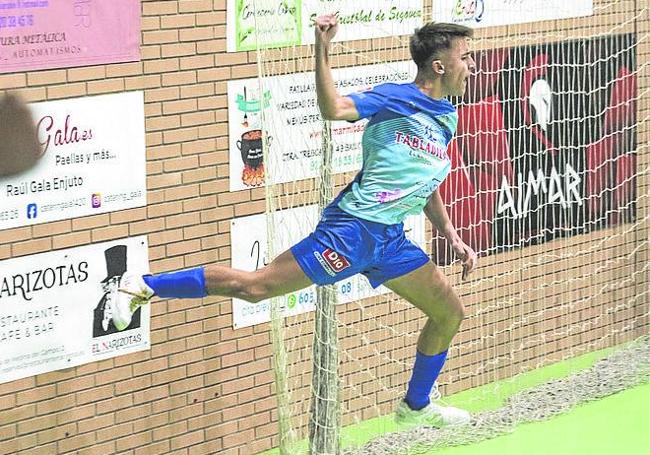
{"x":332,"y":105}
{"x":437,"y":213}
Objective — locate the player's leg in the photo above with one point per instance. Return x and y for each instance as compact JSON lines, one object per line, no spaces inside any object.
{"x":429,"y":290}
{"x":407,"y":270}
{"x":338,"y":248}
{"x":281,"y":276}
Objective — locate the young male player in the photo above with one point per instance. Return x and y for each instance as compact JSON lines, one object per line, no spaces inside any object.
{"x":404,"y":162}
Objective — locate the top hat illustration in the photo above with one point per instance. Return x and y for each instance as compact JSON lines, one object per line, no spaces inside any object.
{"x":102,"y":314}
{"x":115,"y":262}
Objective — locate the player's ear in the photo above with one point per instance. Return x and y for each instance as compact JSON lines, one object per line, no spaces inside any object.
{"x":438,"y":67}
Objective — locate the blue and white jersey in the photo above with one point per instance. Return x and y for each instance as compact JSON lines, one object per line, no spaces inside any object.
{"x":404,"y":152}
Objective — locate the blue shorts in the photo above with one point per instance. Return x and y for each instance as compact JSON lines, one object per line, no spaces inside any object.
{"x":343,"y":245}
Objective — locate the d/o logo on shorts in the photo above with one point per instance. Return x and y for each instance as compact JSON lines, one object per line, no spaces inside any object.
{"x":332,"y":261}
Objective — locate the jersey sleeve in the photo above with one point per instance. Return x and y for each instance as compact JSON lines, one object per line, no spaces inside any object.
{"x":369,"y":102}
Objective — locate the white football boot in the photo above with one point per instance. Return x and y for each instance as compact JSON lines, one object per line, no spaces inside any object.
{"x":433,"y":415}
{"x":127,"y":296}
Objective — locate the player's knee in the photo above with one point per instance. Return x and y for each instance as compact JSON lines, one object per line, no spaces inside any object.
{"x":458,"y":314}
{"x":449,"y":310}
{"x":449,"y":320}
{"x":455,"y":309}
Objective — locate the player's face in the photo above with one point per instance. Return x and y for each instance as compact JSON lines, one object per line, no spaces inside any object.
{"x":458,"y":65}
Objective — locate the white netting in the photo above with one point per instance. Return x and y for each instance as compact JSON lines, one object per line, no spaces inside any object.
{"x":549,"y":186}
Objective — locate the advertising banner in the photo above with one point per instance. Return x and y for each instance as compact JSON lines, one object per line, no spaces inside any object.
{"x":43,"y":34}
{"x":56,"y":308}
{"x":249,"y":251}
{"x":93,"y":161}
{"x":254,"y":24}
{"x":293,"y":125}
{"x":488,"y":13}
{"x":546,"y":144}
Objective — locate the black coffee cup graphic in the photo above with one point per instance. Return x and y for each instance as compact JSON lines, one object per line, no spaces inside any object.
{"x":250,"y":147}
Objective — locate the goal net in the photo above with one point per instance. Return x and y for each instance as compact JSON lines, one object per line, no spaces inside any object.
{"x":549,"y":184}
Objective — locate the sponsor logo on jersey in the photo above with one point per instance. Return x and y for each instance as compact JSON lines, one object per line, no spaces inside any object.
{"x":427,"y":146}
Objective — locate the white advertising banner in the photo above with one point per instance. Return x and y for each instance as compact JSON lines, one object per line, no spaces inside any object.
{"x":488,"y":13}
{"x":56,"y":311}
{"x":249,"y":251}
{"x":293,"y":125}
{"x":93,"y":161}
{"x":254,"y":24}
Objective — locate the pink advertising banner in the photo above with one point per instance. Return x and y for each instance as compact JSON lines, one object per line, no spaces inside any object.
{"x":43,"y":34}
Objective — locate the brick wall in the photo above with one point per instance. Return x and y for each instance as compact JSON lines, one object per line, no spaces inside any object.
{"x":204,"y":388}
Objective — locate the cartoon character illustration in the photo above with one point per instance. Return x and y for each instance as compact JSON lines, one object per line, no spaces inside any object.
{"x":253,"y":138}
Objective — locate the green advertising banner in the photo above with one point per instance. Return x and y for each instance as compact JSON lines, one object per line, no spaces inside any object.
{"x":262,"y":24}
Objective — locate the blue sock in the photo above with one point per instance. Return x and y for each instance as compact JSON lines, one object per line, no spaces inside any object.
{"x":185,"y":284}
{"x":425,"y":372}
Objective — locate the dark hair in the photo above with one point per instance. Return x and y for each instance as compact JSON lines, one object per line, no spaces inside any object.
{"x":427,"y":42}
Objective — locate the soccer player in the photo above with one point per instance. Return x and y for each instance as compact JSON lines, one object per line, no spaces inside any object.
{"x":361,"y":231}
